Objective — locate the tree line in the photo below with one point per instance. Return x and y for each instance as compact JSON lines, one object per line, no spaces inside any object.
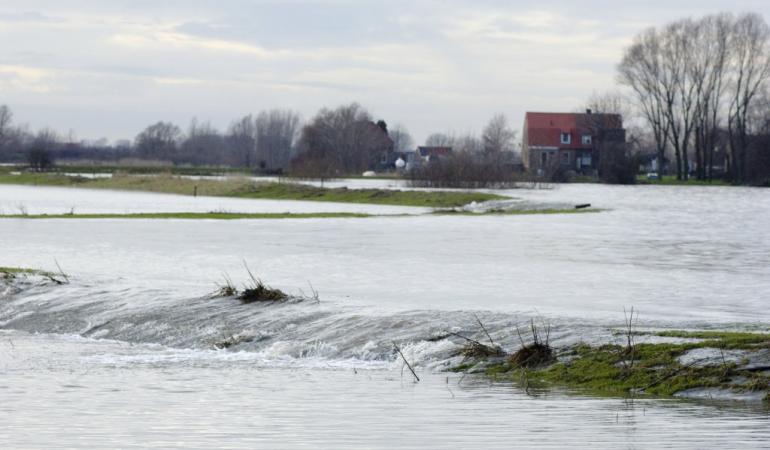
{"x":336,"y":141}
{"x":701,"y":85}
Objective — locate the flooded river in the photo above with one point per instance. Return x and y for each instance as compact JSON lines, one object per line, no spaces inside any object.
{"x":125,"y":354}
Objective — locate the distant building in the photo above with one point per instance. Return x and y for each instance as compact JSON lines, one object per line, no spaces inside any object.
{"x":569,"y":141}
{"x":430,"y":154}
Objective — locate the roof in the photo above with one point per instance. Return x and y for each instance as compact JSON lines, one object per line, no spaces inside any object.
{"x":545,"y":129}
{"x":434,"y":151}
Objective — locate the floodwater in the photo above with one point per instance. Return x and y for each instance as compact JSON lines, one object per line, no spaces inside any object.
{"x":125,"y":355}
{"x":64,"y":200}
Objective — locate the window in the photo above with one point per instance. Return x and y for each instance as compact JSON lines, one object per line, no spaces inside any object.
{"x":587,"y":139}
{"x":566,"y":138}
{"x":565,"y":158}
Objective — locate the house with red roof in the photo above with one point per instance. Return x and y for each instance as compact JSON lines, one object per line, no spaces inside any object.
{"x":568,"y":141}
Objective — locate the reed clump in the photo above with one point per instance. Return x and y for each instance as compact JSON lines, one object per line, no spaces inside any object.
{"x":253,"y":292}
{"x":477,"y":350}
{"x":260,"y":292}
{"x":537,"y":353}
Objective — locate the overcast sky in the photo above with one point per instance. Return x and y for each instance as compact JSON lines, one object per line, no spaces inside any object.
{"x":110,"y":68}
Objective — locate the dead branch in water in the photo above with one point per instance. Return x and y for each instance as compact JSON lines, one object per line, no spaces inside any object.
{"x":406,"y":362}
{"x":61,"y":272}
{"x":491,"y":341}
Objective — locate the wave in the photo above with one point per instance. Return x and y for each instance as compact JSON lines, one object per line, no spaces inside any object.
{"x":281,"y":334}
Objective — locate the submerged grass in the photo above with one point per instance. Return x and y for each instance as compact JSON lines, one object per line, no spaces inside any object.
{"x":267,"y":216}
{"x":11,"y":273}
{"x":193,"y":216}
{"x":246,"y":188}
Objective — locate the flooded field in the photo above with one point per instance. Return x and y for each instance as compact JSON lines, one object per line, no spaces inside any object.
{"x":126,"y":353}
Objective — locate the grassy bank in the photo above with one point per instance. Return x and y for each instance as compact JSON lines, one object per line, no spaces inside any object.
{"x":245,"y":188}
{"x":18,"y":271}
{"x":649,"y":369}
{"x":193,"y":216}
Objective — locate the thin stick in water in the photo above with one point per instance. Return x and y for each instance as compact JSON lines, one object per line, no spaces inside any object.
{"x":61,"y":272}
{"x":407,"y":362}
{"x":485,"y":330}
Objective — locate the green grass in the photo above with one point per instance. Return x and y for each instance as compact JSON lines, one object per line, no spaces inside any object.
{"x":727,"y":339}
{"x":442,"y":199}
{"x":9,"y":273}
{"x":656,"y":371}
{"x":670,"y":180}
{"x":193,"y":216}
{"x":18,"y":271}
{"x":245,"y":188}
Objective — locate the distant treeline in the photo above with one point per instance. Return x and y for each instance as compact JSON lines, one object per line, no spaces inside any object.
{"x":335,"y":142}
{"x":696,"y":104}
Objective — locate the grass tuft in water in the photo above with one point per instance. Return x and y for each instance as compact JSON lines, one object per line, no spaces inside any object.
{"x":260,"y":292}
{"x":11,"y":273}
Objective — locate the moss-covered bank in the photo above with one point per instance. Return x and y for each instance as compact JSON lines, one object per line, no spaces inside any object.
{"x":729,"y":361}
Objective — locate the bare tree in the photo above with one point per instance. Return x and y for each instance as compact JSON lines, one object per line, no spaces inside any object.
{"x":678,"y":59}
{"x":6,"y":117}
{"x":708,"y":69}
{"x":402,"y":140}
{"x":242,"y":140}
{"x":158,"y":141}
{"x":204,"y":145}
{"x":345,"y":139}
{"x":641,"y":70}
{"x":676,"y":76}
{"x":276,"y":132}
{"x":750,"y":69}
{"x":468,"y":143}
{"x":687,"y":76}
{"x":498,"y":137}
{"x":39,"y":154}
{"x":440,"y":140}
